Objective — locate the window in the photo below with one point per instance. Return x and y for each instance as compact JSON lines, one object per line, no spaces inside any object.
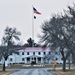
{"x":49,"y":52}
{"x":10,"y":53}
{"x":39,"y":60}
{"x":33,"y":53}
{"x":22,"y":59}
{"x":56,"y":52}
{"x":22,"y":53}
{"x":28,"y":59}
{"x":61,"y":58}
{"x":44,"y":59}
{"x":18,"y":53}
{"x":56,"y":58}
{"x":10,"y":59}
{"x":44,"y":53}
{"x":39,"y":53}
{"x":27,"y":53}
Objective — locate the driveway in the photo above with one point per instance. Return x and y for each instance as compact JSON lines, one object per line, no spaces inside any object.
{"x":32,"y":72}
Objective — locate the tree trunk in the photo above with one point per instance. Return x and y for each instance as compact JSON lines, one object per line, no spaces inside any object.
{"x":69,"y":64}
{"x":64,"y":65}
{"x":4,"y":66}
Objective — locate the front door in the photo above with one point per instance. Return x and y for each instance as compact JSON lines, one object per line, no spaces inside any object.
{"x":35,"y":60}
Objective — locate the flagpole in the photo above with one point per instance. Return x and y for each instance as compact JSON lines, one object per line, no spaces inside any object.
{"x":34,"y":11}
{"x":32,"y":28}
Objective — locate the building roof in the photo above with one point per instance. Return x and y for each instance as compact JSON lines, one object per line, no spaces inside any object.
{"x":33,"y":48}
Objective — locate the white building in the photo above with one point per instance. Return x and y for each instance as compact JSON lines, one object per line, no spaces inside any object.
{"x":37,"y":54}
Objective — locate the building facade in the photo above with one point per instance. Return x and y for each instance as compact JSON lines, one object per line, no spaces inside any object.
{"x":37,"y":54}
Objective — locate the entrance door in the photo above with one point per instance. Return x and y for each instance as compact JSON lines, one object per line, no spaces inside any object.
{"x":28,"y":60}
{"x":35,"y":60}
{"x":39,"y":60}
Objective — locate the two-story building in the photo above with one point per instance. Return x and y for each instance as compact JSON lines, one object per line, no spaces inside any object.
{"x":37,"y":54}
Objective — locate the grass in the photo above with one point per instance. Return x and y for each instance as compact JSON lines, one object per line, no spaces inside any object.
{"x":44,"y":66}
{"x":6,"y":72}
{"x":68,"y":72}
{"x":22,"y":66}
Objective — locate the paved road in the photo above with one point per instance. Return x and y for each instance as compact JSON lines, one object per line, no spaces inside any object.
{"x":32,"y":72}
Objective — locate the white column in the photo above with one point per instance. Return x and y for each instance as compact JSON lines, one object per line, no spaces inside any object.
{"x":14,"y":58}
{"x":36,"y":59}
{"x":25,"y":60}
{"x":30,"y":60}
{"x":41,"y":60}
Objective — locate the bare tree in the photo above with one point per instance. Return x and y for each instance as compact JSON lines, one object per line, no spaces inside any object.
{"x":71,"y":29}
{"x":10,"y":35}
{"x":59,"y":31}
{"x":55,"y":35}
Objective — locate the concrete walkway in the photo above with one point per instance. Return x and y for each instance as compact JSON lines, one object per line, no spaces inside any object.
{"x":32,"y":72}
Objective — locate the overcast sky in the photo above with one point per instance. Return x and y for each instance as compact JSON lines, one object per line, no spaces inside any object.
{"x":18,"y":13}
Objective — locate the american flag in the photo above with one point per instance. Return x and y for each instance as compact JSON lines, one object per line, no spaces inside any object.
{"x":35,"y":11}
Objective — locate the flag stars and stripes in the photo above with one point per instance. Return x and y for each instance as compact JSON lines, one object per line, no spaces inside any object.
{"x":35,"y":11}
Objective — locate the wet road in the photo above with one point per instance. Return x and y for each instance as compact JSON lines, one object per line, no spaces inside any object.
{"x":32,"y":72}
